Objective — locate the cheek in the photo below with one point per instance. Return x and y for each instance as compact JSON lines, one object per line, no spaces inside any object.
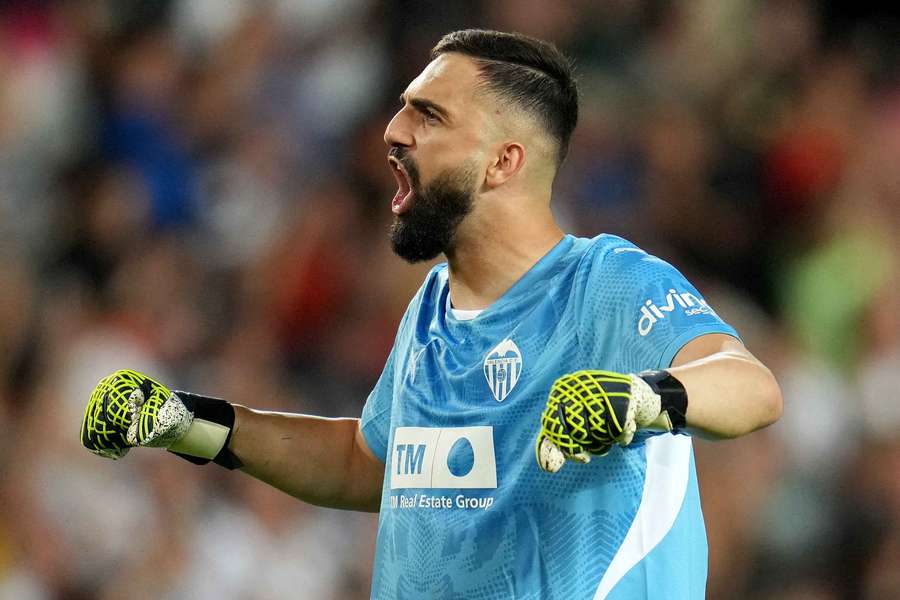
{"x":438,"y":156}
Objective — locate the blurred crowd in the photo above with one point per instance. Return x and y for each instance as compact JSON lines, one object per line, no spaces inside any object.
{"x":199,"y":190}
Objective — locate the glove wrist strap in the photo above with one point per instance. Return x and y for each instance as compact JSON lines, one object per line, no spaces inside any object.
{"x":673,"y":397}
{"x":209,"y":434}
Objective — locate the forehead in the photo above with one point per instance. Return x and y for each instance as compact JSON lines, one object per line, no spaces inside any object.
{"x":450,"y":80}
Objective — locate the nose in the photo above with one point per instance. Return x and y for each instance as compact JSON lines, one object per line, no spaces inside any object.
{"x":398,"y":132}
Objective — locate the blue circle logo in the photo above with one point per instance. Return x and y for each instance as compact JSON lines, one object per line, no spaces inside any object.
{"x":461,"y":458}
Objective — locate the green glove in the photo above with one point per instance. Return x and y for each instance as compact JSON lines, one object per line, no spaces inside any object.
{"x":129,"y":409}
{"x":588,"y":412}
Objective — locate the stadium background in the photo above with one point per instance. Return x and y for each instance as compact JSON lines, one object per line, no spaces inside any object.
{"x":199,"y":190}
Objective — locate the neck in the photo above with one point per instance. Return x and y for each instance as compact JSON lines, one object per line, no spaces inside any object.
{"x":495,"y":248}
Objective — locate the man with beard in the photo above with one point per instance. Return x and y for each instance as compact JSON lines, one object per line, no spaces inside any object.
{"x":527,"y":348}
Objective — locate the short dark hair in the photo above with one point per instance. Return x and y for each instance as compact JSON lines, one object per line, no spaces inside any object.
{"x":530,"y":72}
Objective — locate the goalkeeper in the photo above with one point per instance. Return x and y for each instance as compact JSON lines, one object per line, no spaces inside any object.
{"x":529,"y":436}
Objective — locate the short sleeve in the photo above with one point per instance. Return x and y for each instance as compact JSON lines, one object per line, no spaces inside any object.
{"x":375,"y":422}
{"x":638,"y":311}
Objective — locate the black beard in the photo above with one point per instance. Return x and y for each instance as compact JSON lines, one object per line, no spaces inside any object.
{"x":429,"y":227}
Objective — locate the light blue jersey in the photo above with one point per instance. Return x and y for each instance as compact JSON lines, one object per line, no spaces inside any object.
{"x":465,"y":511}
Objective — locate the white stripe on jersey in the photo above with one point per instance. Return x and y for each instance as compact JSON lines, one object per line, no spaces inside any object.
{"x":665,"y":484}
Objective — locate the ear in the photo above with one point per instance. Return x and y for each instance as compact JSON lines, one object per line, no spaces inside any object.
{"x":508,"y":161}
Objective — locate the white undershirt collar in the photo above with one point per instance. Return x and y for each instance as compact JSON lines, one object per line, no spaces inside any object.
{"x":465,"y":315}
{"x":461,"y":314}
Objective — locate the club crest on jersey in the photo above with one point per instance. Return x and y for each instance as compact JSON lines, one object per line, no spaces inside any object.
{"x":502,"y":368}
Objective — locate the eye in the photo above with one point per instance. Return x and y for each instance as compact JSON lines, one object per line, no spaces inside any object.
{"x":430,"y":117}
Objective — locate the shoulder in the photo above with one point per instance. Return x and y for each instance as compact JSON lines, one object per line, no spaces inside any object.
{"x":615,"y":274}
{"x":611,"y":256}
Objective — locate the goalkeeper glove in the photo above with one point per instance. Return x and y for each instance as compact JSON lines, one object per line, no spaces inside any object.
{"x":129,"y":409}
{"x":589,"y":411}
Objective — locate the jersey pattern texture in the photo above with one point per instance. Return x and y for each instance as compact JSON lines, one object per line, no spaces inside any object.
{"x":466,"y":512}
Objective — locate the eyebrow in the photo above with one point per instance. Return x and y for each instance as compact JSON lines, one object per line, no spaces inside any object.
{"x":423,"y":104}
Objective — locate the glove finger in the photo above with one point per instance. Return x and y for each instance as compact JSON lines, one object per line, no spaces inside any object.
{"x":111,"y":453}
{"x":600,"y":450}
{"x":100,"y":434}
{"x":171,"y":422}
{"x":620,"y":408}
{"x":628,"y":434}
{"x":582,"y":457}
{"x":135,"y":402}
{"x":550,"y":458}
{"x":145,"y":403}
{"x":102,"y":442}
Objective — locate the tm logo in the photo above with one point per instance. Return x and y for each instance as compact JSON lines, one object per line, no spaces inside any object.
{"x":651,"y":313}
{"x":443,"y":457}
{"x":415,"y":458}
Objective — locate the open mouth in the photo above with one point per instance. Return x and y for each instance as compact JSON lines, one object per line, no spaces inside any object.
{"x":403,"y":198}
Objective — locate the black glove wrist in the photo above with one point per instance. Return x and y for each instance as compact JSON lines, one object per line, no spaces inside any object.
{"x":212,"y":410}
{"x":673,"y":397}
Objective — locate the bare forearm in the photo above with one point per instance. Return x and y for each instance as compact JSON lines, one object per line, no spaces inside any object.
{"x":730,"y":393}
{"x":315,"y":459}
